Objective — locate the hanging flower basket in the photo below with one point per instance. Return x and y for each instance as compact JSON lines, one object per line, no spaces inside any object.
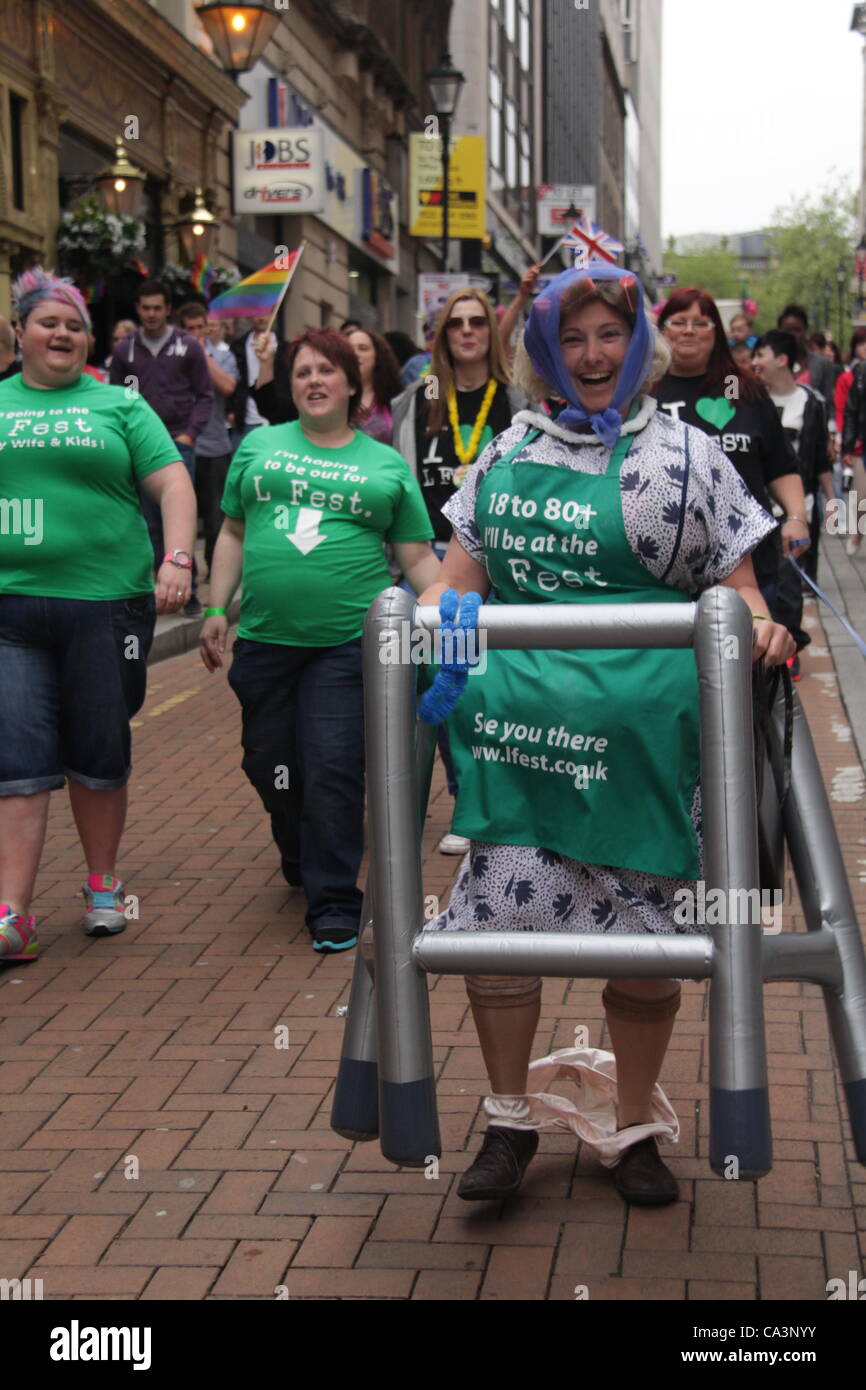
{"x":93,"y":245}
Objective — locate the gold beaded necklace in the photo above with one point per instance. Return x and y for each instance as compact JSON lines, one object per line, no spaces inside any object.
{"x":467,"y":454}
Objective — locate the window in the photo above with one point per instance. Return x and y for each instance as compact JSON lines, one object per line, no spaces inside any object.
{"x":495,"y":149}
{"x":510,"y":116}
{"x":511,"y":19}
{"x":17,"y":110}
{"x":511,"y":159}
{"x":495,"y":87}
{"x":525,"y":162}
{"x":524,"y":42}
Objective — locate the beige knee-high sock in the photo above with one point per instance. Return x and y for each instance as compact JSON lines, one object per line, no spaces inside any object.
{"x":640,"y":1030}
{"x":505,"y":1010}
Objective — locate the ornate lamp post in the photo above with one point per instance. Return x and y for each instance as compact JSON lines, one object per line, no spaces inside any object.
{"x":445,"y":83}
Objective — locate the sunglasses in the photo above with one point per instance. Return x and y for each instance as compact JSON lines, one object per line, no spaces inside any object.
{"x":477,"y":321}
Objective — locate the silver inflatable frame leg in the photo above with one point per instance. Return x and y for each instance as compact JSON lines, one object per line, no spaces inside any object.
{"x":833,"y":931}
{"x":409,"y":1125}
{"x":739,"y":1097}
{"x":355,"y":1107}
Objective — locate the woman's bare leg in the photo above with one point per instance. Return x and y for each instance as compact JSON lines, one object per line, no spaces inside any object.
{"x":22,"y":835}
{"x":505,"y":1010}
{"x":100,"y":817}
{"x":640,"y":1019}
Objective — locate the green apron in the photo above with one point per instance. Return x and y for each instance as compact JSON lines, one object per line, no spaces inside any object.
{"x":592,"y":754}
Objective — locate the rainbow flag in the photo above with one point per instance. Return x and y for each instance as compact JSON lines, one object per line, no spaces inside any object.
{"x":202,"y":274}
{"x":259,"y":294}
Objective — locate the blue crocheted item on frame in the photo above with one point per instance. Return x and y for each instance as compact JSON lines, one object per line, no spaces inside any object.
{"x":439,"y":701}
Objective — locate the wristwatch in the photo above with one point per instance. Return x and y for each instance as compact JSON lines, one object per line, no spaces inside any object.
{"x":181,"y":558}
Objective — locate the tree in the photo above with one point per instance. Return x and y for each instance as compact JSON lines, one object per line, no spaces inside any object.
{"x":809,"y":241}
{"x":714,"y":269}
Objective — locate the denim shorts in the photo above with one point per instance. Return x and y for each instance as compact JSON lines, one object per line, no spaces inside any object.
{"x":73,"y":672}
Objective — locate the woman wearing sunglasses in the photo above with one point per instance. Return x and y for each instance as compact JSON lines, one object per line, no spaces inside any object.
{"x":445,"y":420}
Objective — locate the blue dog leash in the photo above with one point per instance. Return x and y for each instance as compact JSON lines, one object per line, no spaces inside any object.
{"x":861,"y":645}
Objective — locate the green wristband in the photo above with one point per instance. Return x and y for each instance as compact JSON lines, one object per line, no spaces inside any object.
{"x":214,"y":612}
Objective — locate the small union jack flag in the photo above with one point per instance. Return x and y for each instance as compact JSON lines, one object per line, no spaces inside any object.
{"x":591,"y":243}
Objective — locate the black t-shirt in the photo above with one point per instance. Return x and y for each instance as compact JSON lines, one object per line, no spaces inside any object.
{"x":437,"y":460}
{"x":750,"y":433}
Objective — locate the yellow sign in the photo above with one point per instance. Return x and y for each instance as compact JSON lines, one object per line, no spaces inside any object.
{"x":467,"y":186}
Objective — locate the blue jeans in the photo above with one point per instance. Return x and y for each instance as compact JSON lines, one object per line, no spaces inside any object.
{"x":152,"y":513}
{"x":303,"y":740}
{"x":73,"y":672}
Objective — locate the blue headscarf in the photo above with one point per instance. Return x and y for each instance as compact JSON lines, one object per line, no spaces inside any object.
{"x":541,"y":340}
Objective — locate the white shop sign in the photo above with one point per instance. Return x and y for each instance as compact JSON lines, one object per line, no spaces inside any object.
{"x":554,"y":200}
{"x":278,"y":171}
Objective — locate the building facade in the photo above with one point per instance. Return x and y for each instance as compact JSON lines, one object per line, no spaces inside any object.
{"x":497,"y":45}
{"x":601,"y":116}
{"x":77,"y":74}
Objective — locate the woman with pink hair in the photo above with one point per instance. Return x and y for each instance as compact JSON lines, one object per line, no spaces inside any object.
{"x":77,"y":606}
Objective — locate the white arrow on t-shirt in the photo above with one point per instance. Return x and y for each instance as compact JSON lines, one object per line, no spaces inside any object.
{"x":307,"y":534}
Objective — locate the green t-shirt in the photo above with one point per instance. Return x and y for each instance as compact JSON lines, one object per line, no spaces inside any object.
{"x":70,"y":518}
{"x":315,"y":520}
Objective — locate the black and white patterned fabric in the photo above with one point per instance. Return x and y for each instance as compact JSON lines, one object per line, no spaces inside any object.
{"x":522,"y":888}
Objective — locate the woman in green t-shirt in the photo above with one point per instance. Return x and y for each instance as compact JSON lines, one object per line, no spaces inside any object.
{"x":308,"y":506}
{"x":77,"y":606}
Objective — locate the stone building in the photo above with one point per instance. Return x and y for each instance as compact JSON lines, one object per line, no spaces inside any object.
{"x":72,"y":73}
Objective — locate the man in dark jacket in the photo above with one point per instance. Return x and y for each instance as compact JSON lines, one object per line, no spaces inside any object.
{"x":804,"y":420}
{"x":249,"y":407}
{"x":816,"y":370}
{"x":169,"y":369}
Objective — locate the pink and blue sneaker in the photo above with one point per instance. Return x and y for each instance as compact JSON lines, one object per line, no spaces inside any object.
{"x":17,"y":936}
{"x":104,"y":915}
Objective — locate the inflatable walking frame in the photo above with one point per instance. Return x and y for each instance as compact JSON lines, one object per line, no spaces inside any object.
{"x":385,"y":1086}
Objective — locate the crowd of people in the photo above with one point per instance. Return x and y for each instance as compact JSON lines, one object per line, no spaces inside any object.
{"x":321,"y":468}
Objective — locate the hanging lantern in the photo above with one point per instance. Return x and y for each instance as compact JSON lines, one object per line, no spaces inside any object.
{"x":197,"y":230}
{"x":121,"y":185}
{"x":239,"y":33}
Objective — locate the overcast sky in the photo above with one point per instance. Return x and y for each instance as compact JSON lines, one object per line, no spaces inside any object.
{"x":761,"y":99}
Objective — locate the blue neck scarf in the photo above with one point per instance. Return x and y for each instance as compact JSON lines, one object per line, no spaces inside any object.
{"x":541,"y":340}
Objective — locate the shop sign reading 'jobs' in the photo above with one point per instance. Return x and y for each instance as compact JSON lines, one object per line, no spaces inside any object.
{"x":279,"y":171}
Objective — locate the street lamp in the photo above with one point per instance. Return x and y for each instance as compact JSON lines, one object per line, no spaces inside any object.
{"x":197,"y":229}
{"x":841,"y":277}
{"x":445,"y":83}
{"x":861,"y":265}
{"x":239,"y":33}
{"x":121,"y":184}
{"x":828,"y":289}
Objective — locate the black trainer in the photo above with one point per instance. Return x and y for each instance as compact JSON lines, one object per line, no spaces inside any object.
{"x":642,"y":1178}
{"x":499,"y":1168}
{"x":334,"y":937}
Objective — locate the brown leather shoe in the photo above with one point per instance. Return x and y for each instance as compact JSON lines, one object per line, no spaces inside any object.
{"x":499,"y":1168}
{"x":643,"y":1179}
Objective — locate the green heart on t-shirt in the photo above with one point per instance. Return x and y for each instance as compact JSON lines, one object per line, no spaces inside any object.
{"x":716,"y":410}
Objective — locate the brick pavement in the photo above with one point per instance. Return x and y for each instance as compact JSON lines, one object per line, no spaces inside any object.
{"x":156,"y":1144}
